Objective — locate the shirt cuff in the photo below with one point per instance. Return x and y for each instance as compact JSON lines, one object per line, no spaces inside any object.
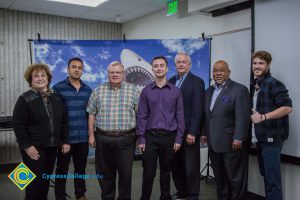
{"x":237,"y":141}
{"x":178,"y":140}
{"x":142,"y":139}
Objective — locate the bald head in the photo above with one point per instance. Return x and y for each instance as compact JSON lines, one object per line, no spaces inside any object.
{"x":223,"y":63}
{"x":221,"y":72}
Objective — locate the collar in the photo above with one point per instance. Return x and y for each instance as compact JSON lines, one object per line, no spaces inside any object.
{"x":109,"y":86}
{"x":258,"y":81}
{"x":47,"y":93}
{"x":220,"y":86}
{"x":153,"y":85}
{"x":183,"y":77}
{"x":82,"y":84}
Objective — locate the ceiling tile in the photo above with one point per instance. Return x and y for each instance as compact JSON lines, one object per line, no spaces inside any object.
{"x":71,"y":8}
{"x":5,"y":3}
{"x":119,"y":5}
{"x":159,"y":3}
{"x":108,"y":11}
{"x":28,"y":9}
{"x":34,"y":3}
{"x":146,"y":9}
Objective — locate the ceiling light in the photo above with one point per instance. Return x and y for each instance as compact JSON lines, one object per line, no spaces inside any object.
{"x":90,"y":3}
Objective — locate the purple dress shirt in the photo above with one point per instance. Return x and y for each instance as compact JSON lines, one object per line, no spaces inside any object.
{"x":160,"y":108}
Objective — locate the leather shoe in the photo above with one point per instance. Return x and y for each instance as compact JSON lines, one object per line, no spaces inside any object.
{"x":82,"y":198}
{"x":177,"y":196}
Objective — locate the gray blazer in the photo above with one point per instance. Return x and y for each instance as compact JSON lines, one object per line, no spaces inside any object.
{"x":230,"y":117}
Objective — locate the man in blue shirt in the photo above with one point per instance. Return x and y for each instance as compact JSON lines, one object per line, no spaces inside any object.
{"x":75,"y":94}
{"x":227,"y":110}
{"x":160,"y":127}
{"x":186,"y":164}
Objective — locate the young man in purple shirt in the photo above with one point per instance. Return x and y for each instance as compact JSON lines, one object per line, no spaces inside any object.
{"x":160,"y":127}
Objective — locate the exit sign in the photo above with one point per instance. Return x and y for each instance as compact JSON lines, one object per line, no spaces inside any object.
{"x":172,"y":7}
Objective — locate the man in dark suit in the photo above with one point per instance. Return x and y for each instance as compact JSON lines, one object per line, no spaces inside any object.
{"x":186,"y":163}
{"x":227,"y":111}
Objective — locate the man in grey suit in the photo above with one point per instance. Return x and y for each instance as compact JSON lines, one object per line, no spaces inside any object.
{"x":227,"y":111}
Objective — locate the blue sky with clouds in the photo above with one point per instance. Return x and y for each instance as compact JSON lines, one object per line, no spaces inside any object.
{"x":97,"y":54}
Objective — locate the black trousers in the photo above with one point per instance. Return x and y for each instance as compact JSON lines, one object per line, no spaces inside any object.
{"x":115,"y":155}
{"x":231,"y":174}
{"x":186,"y":170}
{"x":39,"y":187}
{"x":79,"y":153}
{"x":157,"y":147}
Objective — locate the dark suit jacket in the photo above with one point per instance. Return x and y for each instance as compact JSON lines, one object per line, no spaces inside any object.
{"x":193,"y":92}
{"x":229,"y":118}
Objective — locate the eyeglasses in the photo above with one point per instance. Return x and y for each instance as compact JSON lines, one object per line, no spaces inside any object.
{"x":116,"y":73}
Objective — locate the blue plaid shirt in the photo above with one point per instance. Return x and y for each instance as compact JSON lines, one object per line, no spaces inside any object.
{"x":272,"y":95}
{"x":75,"y":103}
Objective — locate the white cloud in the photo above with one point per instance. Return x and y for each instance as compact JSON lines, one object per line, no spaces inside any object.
{"x":188,"y":46}
{"x":45,"y":54}
{"x":90,"y":77}
{"x":41,"y":51}
{"x":87,"y":67}
{"x":104,"y":55}
{"x":54,"y":65}
{"x":64,"y":70}
{"x":78,"y":51}
{"x":94,"y":77}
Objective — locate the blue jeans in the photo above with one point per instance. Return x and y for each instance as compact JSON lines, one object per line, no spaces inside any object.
{"x":269,"y":166}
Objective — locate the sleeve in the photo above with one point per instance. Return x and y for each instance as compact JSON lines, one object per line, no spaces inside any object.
{"x":92,"y":104}
{"x":55,"y":88}
{"x":197,"y":107}
{"x":204,"y":128}
{"x":142,"y":117}
{"x":179,"y":119}
{"x":280,"y":95}
{"x":136,"y":99}
{"x":20,"y":123}
{"x":65,"y":128}
{"x":242,"y":114}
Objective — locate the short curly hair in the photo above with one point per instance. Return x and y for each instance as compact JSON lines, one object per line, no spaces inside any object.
{"x":37,"y":67}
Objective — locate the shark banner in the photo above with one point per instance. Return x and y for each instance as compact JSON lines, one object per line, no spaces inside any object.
{"x":135,"y":55}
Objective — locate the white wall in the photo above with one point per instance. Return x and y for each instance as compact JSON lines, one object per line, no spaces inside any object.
{"x":281,"y":37}
{"x":279,"y":34}
{"x":158,"y":26}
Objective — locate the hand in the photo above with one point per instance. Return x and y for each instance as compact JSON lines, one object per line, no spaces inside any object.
{"x":92,"y":141}
{"x":203,"y":139}
{"x":256,"y":117}
{"x":65,"y":148}
{"x":190,"y":139}
{"x":142,"y":147}
{"x":32,"y":153}
{"x":236,"y":145}
{"x":176,"y":147}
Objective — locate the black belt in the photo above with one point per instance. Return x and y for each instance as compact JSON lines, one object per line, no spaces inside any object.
{"x":114,"y":133}
{"x":160,"y":132}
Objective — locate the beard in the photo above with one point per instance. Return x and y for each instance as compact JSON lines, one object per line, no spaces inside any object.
{"x":262,"y":72}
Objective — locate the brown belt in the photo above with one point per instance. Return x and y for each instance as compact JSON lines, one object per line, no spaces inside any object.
{"x":114,"y":133}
